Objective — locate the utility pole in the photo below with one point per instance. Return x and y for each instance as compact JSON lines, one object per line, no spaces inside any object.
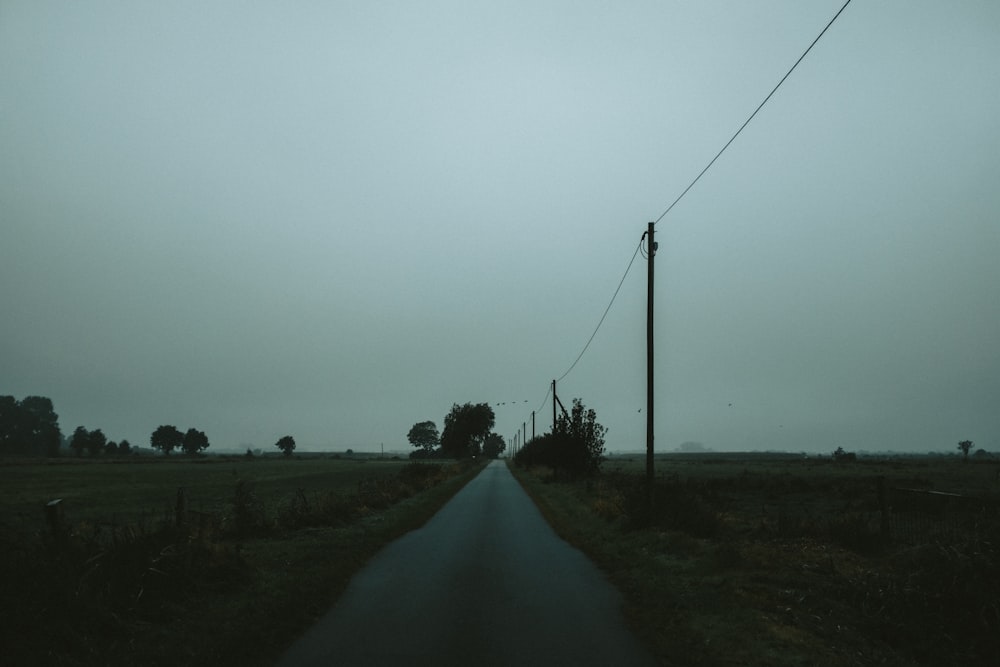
{"x":532,"y":424}
{"x":651,"y":251}
{"x":554,"y":399}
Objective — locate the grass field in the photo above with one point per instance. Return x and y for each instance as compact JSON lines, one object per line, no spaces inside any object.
{"x":262,"y":549}
{"x":146,"y":489}
{"x":781,"y":560}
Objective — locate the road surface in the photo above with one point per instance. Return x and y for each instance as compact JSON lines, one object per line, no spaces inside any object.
{"x":485,"y":582}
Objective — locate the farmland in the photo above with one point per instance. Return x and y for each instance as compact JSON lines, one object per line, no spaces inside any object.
{"x":787,"y":560}
{"x":229,"y":570}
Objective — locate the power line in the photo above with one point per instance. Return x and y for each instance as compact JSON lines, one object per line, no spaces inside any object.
{"x":613,"y":297}
{"x":759,"y":107}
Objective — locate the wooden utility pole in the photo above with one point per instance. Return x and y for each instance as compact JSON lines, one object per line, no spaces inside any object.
{"x":554,"y":399}
{"x":651,"y":251}
{"x":532,"y":424}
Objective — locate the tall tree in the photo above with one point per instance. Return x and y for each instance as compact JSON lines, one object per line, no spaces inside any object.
{"x":42,"y":426}
{"x":425,"y":436}
{"x":29,"y":426}
{"x":80,"y":440}
{"x":286,"y":444}
{"x":494,"y":445}
{"x":194,"y":441}
{"x":96,"y":441}
{"x":465,"y":429}
{"x":166,"y":439}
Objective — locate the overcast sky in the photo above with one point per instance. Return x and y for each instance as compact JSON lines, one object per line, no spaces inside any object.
{"x":336,"y":219}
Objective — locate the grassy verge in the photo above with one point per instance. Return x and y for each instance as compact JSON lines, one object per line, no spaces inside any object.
{"x":731,"y":571}
{"x":234,"y":585}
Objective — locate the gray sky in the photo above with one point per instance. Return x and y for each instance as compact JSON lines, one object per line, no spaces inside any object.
{"x":335,"y":219}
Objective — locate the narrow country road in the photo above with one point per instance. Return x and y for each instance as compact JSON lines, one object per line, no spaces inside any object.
{"x":485,"y":582}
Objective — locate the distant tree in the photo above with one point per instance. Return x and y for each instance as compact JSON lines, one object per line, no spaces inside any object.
{"x":582,"y":439}
{"x":842,"y":456}
{"x":29,"y":427}
{"x":494,"y":445}
{"x":424,"y":435}
{"x":80,"y":440}
{"x":111,"y":448}
{"x":166,"y":439}
{"x":574,"y":448}
{"x":10,"y":413}
{"x":286,"y":445}
{"x":194,"y":441}
{"x":465,"y":429}
{"x":965,"y":447}
{"x":96,"y":440}
{"x":124,"y":448}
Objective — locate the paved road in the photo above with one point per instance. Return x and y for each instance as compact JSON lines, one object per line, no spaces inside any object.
{"x":485,"y":582}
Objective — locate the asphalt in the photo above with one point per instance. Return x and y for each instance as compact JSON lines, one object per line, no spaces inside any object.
{"x":485,"y":582}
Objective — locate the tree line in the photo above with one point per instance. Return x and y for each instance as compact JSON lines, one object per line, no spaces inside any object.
{"x":468,"y":432}
{"x":573,"y":448}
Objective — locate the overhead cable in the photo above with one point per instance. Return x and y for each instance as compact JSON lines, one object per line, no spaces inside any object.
{"x":613,"y":297}
{"x":759,"y":107}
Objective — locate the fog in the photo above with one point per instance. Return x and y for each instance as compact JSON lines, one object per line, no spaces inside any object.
{"x":334,"y":220}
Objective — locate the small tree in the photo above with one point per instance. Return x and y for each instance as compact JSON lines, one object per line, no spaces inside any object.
{"x":575,"y":448}
{"x":581,"y":439}
{"x":194,"y":441}
{"x":79,"y":441}
{"x":286,"y":445}
{"x":96,"y":441}
{"x":965,"y":447}
{"x":111,"y":448}
{"x":124,"y":448}
{"x":166,"y":439}
{"x":425,"y":436}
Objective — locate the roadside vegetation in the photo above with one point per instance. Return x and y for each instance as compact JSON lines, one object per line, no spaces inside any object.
{"x":788,"y":560}
{"x":203,"y":561}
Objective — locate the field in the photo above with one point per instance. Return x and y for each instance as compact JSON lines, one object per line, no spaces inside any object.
{"x":127,"y":569}
{"x":145,"y":489}
{"x":786,"y":560}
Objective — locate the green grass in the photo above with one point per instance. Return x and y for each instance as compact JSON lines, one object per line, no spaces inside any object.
{"x":125,"y":586}
{"x":785,"y":564}
{"x":147,"y":488}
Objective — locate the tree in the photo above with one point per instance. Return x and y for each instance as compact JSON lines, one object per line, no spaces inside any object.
{"x":425,"y":436}
{"x":166,"y":439}
{"x":194,"y":441}
{"x":575,"y":447}
{"x":79,"y":441}
{"x":96,"y":441}
{"x":286,"y":445}
{"x":583,"y":439}
{"x":111,"y":449}
{"x":965,"y":447}
{"x":124,"y":448}
{"x":494,"y":445}
{"x":29,"y":426}
{"x":465,"y":429}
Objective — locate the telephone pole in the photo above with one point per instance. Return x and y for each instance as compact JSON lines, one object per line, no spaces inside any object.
{"x":651,"y":251}
{"x":554,"y":399}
